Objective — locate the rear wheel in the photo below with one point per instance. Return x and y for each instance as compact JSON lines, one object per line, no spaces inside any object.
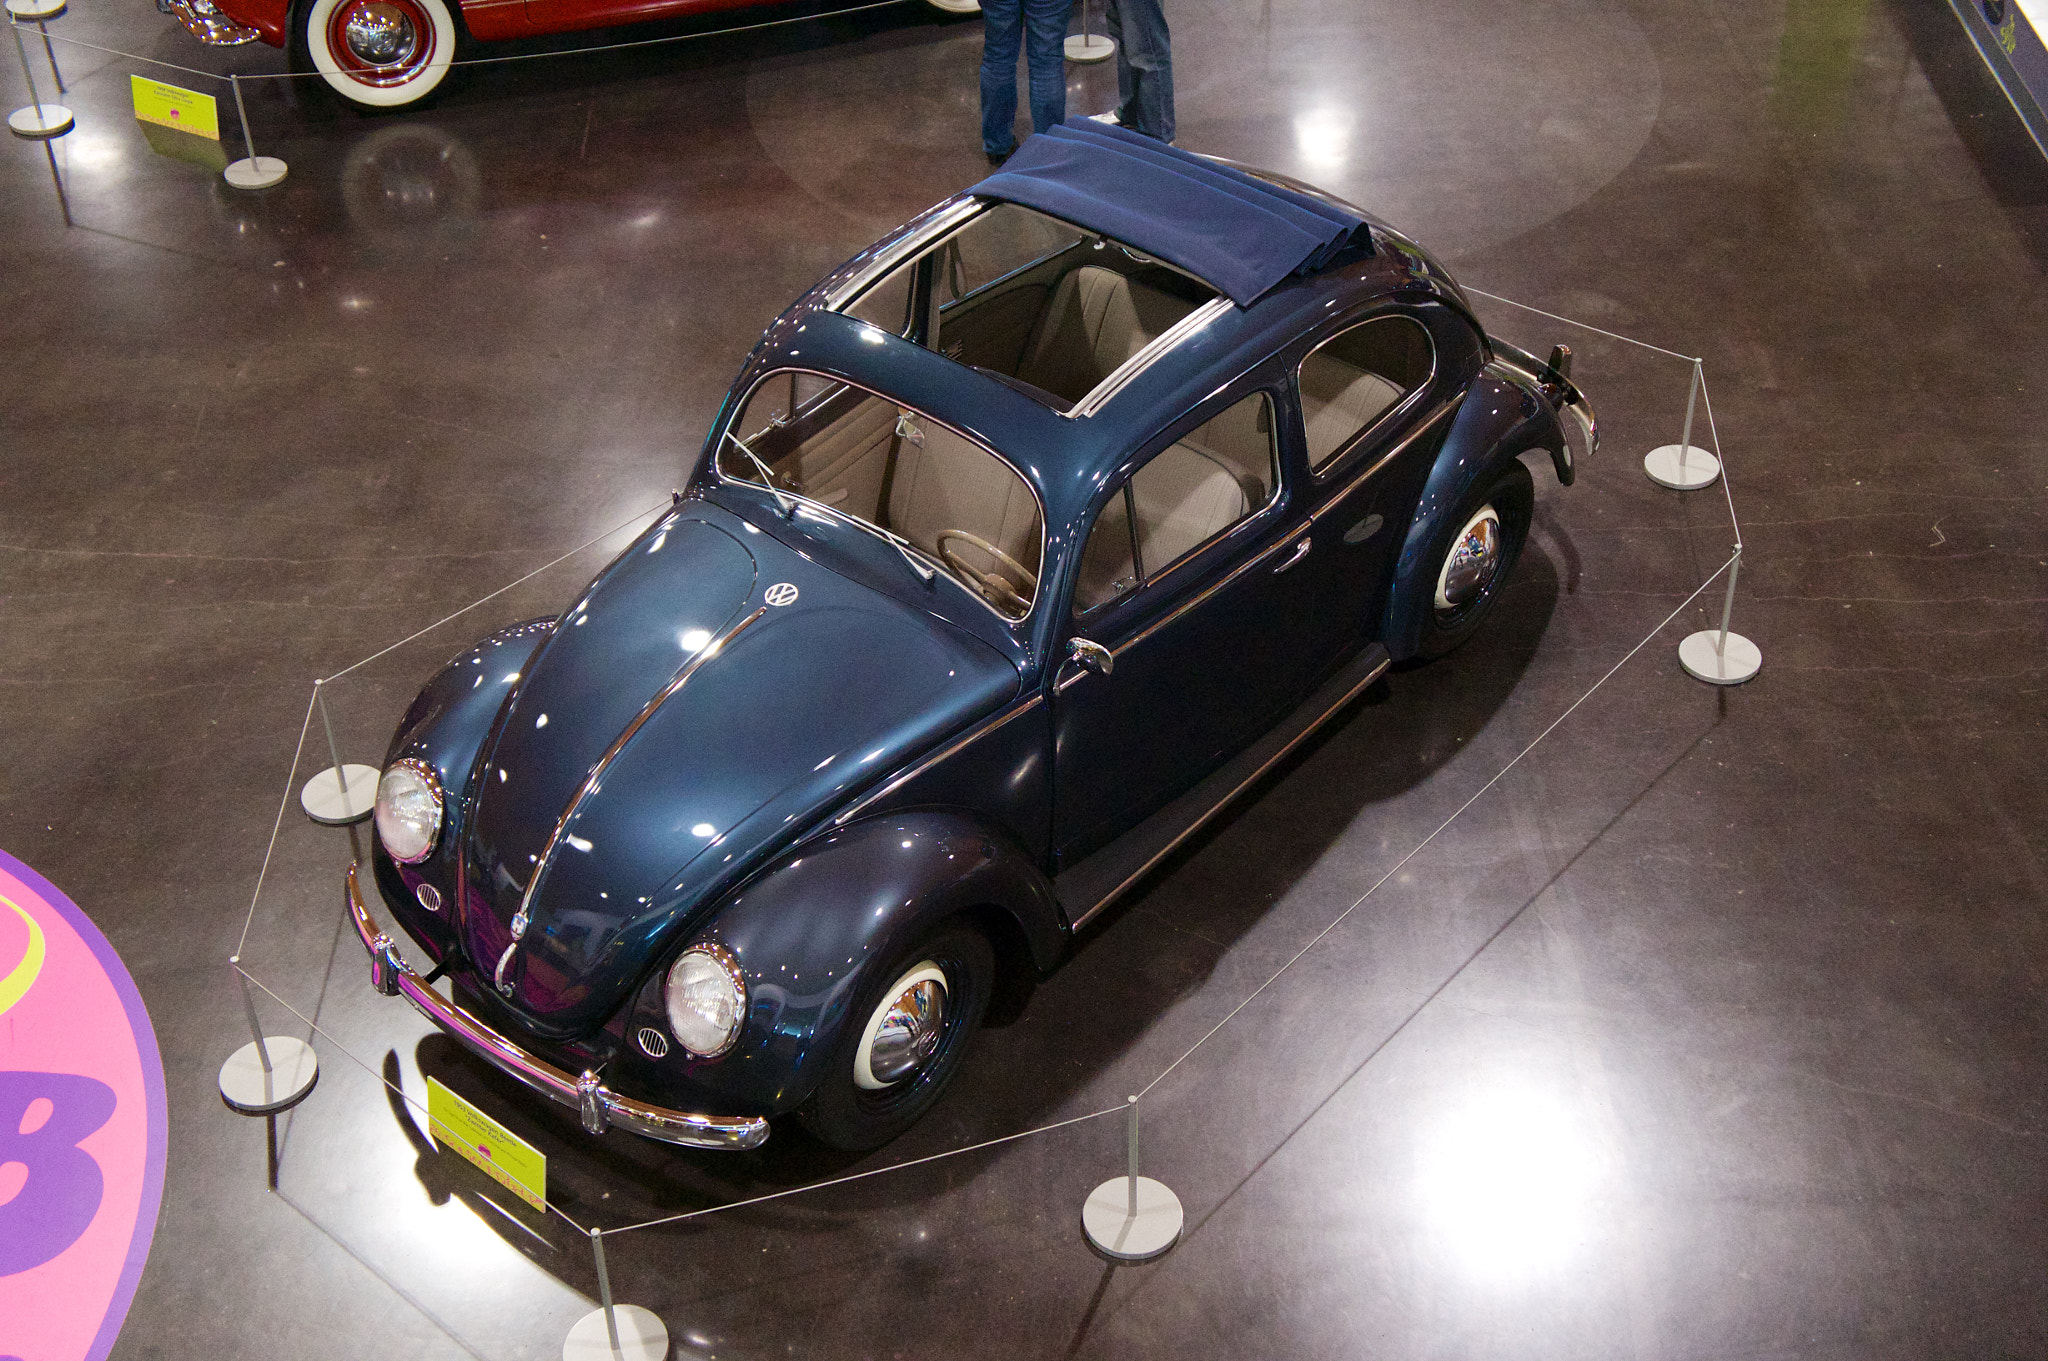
{"x":1471,"y":560}
{"x":379,"y":54}
{"x":903,"y":1041}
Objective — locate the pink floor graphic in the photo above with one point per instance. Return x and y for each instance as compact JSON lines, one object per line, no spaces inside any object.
{"x":81,"y":1128}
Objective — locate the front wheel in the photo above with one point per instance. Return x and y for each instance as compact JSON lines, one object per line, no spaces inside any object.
{"x":1471,"y":559}
{"x":903,"y":1041}
{"x":379,"y":54}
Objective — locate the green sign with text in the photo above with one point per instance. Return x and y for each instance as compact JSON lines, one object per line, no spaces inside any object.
{"x":508,"y":1159}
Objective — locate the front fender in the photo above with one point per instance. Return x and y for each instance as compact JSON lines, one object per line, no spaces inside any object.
{"x":807,"y":932}
{"x":1498,"y":420}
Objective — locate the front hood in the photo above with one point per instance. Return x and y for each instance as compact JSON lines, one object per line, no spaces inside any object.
{"x":803,"y":701}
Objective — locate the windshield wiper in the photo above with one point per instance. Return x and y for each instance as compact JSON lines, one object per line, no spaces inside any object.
{"x":767,"y":477}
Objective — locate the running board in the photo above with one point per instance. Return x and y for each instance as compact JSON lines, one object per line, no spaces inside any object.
{"x":1095,"y":883}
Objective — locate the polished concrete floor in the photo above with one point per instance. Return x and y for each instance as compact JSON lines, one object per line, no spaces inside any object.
{"x":1715,"y":1028}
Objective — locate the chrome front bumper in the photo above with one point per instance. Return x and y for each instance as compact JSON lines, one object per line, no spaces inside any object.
{"x":208,"y":24}
{"x":600,"y":1107}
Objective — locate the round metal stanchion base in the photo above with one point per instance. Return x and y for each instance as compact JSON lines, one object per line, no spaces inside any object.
{"x":642,"y":1336}
{"x":1089,"y":47}
{"x":34,"y":11}
{"x":40,"y":121}
{"x":255,"y":172}
{"x":293,"y":1070}
{"x":1700,"y":470}
{"x":1731,"y":664}
{"x":1115,"y":1232}
{"x":324,"y":802}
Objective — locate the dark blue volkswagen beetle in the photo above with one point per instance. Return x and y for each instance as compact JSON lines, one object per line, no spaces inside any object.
{"x":1024,"y":541}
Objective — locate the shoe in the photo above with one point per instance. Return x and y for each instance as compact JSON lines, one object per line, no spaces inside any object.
{"x":1109,"y":118}
{"x":996,"y":158}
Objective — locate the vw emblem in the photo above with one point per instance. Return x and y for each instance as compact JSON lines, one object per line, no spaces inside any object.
{"x":781,"y":593}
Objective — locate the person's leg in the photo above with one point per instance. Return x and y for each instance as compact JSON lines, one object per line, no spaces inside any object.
{"x":1045,"y":51}
{"x":1113,"y":26}
{"x":1002,"y":22}
{"x":1146,"y":52}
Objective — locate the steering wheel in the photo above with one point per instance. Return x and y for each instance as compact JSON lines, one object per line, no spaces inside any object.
{"x":991,"y":584}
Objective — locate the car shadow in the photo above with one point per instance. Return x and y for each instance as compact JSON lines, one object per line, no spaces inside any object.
{"x":1399,"y":733}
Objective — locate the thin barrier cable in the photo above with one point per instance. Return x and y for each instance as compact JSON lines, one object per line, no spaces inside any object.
{"x":276,"y":827}
{"x":1714,"y":433}
{"x":1502,"y":774}
{"x":348,"y":1054}
{"x":863,"y":1176}
{"x":495,"y":61}
{"x":640,"y":515}
{"x":1582,"y":325}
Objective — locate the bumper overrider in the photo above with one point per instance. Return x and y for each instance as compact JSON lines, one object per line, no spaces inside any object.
{"x":208,"y":24}
{"x":599,"y":1106}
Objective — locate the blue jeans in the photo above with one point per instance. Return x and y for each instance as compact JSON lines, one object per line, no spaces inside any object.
{"x":1144,"y":66}
{"x":1042,"y":24}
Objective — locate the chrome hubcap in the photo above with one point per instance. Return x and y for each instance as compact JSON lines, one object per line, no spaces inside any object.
{"x":380,"y":34}
{"x":904,"y":1031}
{"x":1472,"y":561}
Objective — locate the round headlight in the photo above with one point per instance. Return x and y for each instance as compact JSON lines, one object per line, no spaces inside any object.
{"x":409,"y":810}
{"x":707,"y":1000}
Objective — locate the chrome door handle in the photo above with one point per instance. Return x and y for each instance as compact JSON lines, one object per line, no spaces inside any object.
{"x":1300,"y":552}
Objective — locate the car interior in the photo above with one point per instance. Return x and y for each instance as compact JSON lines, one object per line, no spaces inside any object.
{"x":866,"y":457}
{"x":1048,"y":307}
{"x":1356,"y":377}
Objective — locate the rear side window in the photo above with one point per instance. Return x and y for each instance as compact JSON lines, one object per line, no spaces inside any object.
{"x":1196,"y":488}
{"x":1356,"y":377}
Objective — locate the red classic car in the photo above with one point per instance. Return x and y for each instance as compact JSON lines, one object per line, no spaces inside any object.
{"x":383,"y":54}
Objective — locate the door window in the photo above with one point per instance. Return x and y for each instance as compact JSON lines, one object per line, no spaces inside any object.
{"x":1358,"y":376}
{"x":1212,"y":477}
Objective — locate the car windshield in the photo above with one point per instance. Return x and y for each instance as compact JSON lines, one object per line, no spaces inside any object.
{"x":948,"y":503}
{"x":1047,"y":305}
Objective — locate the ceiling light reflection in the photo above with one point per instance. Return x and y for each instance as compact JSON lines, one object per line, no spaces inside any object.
{"x":1507,"y":1181}
{"x":1322,"y":137}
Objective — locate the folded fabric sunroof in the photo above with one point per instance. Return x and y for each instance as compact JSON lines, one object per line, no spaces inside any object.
{"x":1240,"y":233}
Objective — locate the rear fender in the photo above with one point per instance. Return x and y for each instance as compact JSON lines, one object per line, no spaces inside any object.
{"x":1498,"y":420}
{"x":808,"y":932}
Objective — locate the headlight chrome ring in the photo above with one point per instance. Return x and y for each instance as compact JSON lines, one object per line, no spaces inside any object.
{"x":410,"y":805}
{"x":705,"y":996}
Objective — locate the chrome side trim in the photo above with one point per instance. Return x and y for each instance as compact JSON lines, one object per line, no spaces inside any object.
{"x":604,"y":763}
{"x":974,"y":734}
{"x":599,"y":1106}
{"x":1162,"y":344}
{"x":1254,"y":561}
{"x":1427,"y":424}
{"x":1247,"y":782}
{"x":208,"y":24}
{"x":916,"y":241}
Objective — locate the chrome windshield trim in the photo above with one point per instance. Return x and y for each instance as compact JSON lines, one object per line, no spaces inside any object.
{"x":1162,"y":345}
{"x":1423,"y":427}
{"x":973,"y":734}
{"x":604,"y":762}
{"x":586,"y":1093}
{"x":905,"y":246}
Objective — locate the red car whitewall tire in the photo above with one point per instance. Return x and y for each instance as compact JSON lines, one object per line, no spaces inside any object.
{"x":380,"y":54}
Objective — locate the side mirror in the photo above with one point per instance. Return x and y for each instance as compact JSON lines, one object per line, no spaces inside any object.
{"x":1091,"y":656}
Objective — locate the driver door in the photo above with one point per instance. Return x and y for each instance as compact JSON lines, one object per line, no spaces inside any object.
{"x":1188,"y":618}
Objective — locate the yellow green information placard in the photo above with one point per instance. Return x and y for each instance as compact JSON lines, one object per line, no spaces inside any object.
{"x":186,"y":110}
{"x":508,"y":1159}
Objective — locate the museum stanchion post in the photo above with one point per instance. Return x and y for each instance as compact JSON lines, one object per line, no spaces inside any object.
{"x":39,"y":13}
{"x":1088,"y":45}
{"x":1132,"y":1218}
{"x":38,"y":120}
{"x":1683,"y":466}
{"x":1717,"y":656}
{"x":253,"y":171}
{"x":268,"y":1075}
{"x":343,"y":794}
{"x":623,"y":1332}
